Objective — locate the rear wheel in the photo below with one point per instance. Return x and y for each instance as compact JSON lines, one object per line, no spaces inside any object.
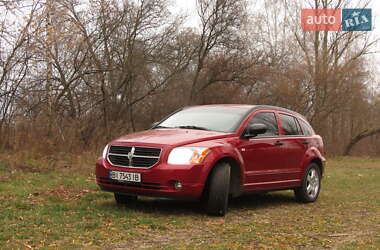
{"x":124,"y":198}
{"x":218,"y":190}
{"x":311,"y":184}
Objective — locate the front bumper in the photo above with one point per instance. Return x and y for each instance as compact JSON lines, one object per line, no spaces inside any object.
{"x":156,"y":181}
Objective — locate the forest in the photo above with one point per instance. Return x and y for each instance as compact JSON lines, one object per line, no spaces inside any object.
{"x":75,"y":74}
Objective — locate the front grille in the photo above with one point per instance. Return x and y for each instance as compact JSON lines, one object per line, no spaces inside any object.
{"x":135,"y":157}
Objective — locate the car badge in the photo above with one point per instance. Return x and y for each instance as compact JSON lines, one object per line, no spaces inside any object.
{"x":130,"y":155}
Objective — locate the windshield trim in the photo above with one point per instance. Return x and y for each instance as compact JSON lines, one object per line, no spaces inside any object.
{"x":249,"y":111}
{"x":166,"y":117}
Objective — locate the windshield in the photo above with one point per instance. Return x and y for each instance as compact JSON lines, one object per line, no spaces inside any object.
{"x":214,"y":118}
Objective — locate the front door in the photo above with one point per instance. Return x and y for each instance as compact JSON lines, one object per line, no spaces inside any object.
{"x":263,"y":154}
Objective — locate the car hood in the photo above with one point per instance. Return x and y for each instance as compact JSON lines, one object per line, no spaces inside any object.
{"x":173,"y":136}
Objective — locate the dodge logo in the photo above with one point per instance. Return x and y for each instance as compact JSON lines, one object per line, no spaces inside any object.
{"x":130,"y":155}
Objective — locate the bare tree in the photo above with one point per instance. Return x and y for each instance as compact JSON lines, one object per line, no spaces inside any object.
{"x":75,"y":73}
{"x":362,"y":135}
{"x":328,"y":56}
{"x":220,"y":24}
{"x":126,"y":50}
{"x":14,"y":58}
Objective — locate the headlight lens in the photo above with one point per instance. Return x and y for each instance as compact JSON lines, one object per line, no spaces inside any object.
{"x":187,"y":155}
{"x":105,"y":152}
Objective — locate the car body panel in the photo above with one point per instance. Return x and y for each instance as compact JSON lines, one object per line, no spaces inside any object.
{"x":169,"y":136}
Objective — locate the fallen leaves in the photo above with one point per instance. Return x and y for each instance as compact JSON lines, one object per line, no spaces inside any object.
{"x":64,"y":211}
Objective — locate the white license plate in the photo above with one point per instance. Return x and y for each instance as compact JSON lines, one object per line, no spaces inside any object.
{"x":125,"y":176}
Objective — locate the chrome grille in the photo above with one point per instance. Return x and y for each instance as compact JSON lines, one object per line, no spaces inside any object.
{"x":134,"y":157}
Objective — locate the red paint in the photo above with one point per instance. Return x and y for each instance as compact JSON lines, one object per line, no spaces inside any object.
{"x":263,"y":166}
{"x":175,"y":137}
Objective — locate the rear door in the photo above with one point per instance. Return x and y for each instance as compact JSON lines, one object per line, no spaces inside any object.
{"x":294,"y":146}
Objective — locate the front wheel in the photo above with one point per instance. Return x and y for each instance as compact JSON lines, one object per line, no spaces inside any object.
{"x":311,"y":184}
{"x":124,"y":199}
{"x":218,"y":190}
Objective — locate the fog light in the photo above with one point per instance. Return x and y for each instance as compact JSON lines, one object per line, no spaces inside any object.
{"x":177,"y":185}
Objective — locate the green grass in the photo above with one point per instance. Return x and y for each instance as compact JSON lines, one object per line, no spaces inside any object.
{"x":65,"y":209}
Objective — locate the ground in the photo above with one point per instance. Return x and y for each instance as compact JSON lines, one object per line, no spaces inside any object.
{"x":55,"y":203}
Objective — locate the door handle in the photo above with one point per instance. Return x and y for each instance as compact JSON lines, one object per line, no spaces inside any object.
{"x":305,"y":142}
{"x":278,"y":143}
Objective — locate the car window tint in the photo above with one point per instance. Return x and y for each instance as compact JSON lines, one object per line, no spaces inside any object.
{"x":306,"y":129}
{"x":218,"y":118}
{"x":269,"y":119}
{"x":289,"y":125}
{"x":299,"y":130}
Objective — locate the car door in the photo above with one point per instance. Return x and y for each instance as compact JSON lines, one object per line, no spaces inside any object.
{"x":294,"y":146}
{"x":262,"y":154}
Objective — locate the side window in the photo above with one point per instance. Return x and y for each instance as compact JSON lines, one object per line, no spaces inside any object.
{"x":289,"y":125}
{"x":307,"y":130}
{"x":299,"y":130}
{"x":269,"y":119}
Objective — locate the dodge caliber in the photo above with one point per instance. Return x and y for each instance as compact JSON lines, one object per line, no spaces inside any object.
{"x":214,"y":152}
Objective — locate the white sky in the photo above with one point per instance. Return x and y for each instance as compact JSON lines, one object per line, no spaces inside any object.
{"x":189,"y":7}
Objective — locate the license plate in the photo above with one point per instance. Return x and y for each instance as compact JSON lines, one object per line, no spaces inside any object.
{"x":125,"y":176}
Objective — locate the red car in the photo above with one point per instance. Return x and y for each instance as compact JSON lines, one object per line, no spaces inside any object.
{"x":215,"y":152}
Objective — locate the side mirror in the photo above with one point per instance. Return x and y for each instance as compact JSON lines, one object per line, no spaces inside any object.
{"x":255,"y":129}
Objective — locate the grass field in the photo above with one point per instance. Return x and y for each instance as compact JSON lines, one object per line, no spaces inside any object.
{"x":55,"y":203}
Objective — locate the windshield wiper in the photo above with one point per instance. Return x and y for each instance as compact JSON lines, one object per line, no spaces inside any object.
{"x":192,"y":127}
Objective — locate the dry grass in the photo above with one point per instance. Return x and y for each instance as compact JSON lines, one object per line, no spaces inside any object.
{"x":53,"y":202}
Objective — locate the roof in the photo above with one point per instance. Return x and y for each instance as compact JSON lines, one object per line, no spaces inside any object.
{"x":253,"y":107}
{"x":256,"y":107}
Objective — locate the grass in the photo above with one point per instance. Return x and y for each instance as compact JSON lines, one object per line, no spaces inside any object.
{"x":61,"y":207}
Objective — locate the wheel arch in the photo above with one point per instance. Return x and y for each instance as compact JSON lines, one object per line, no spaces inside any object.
{"x":236,"y":177}
{"x":314,"y":156}
{"x":320,"y":164}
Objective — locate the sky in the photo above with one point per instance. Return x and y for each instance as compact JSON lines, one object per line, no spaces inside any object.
{"x":189,"y":7}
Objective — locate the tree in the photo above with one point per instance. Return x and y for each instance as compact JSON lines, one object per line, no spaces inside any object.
{"x":362,"y":135}
{"x":14,"y":58}
{"x":219,"y":30}
{"x":328,"y":57}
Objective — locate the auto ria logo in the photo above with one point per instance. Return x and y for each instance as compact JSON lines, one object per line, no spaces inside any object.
{"x":336,"y":19}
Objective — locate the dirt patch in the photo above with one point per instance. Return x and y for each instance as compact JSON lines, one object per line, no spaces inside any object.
{"x":4,"y":179}
{"x":340,"y":238}
{"x":62,"y":194}
{"x":153,"y":239}
{"x":27,"y":168}
{"x":67,"y":193}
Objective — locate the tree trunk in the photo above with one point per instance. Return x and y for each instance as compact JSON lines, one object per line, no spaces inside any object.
{"x":358,"y":138}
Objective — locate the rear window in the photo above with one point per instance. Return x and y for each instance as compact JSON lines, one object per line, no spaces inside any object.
{"x":306,"y":128}
{"x":289,"y":124}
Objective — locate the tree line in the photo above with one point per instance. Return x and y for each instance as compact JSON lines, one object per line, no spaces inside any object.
{"x":74,"y":74}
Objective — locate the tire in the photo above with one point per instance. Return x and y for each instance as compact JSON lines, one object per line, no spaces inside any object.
{"x":124,"y":199}
{"x":218,"y":190}
{"x":311,"y":185}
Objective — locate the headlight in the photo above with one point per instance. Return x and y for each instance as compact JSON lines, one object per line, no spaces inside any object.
{"x":105,"y":152}
{"x":187,"y":155}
